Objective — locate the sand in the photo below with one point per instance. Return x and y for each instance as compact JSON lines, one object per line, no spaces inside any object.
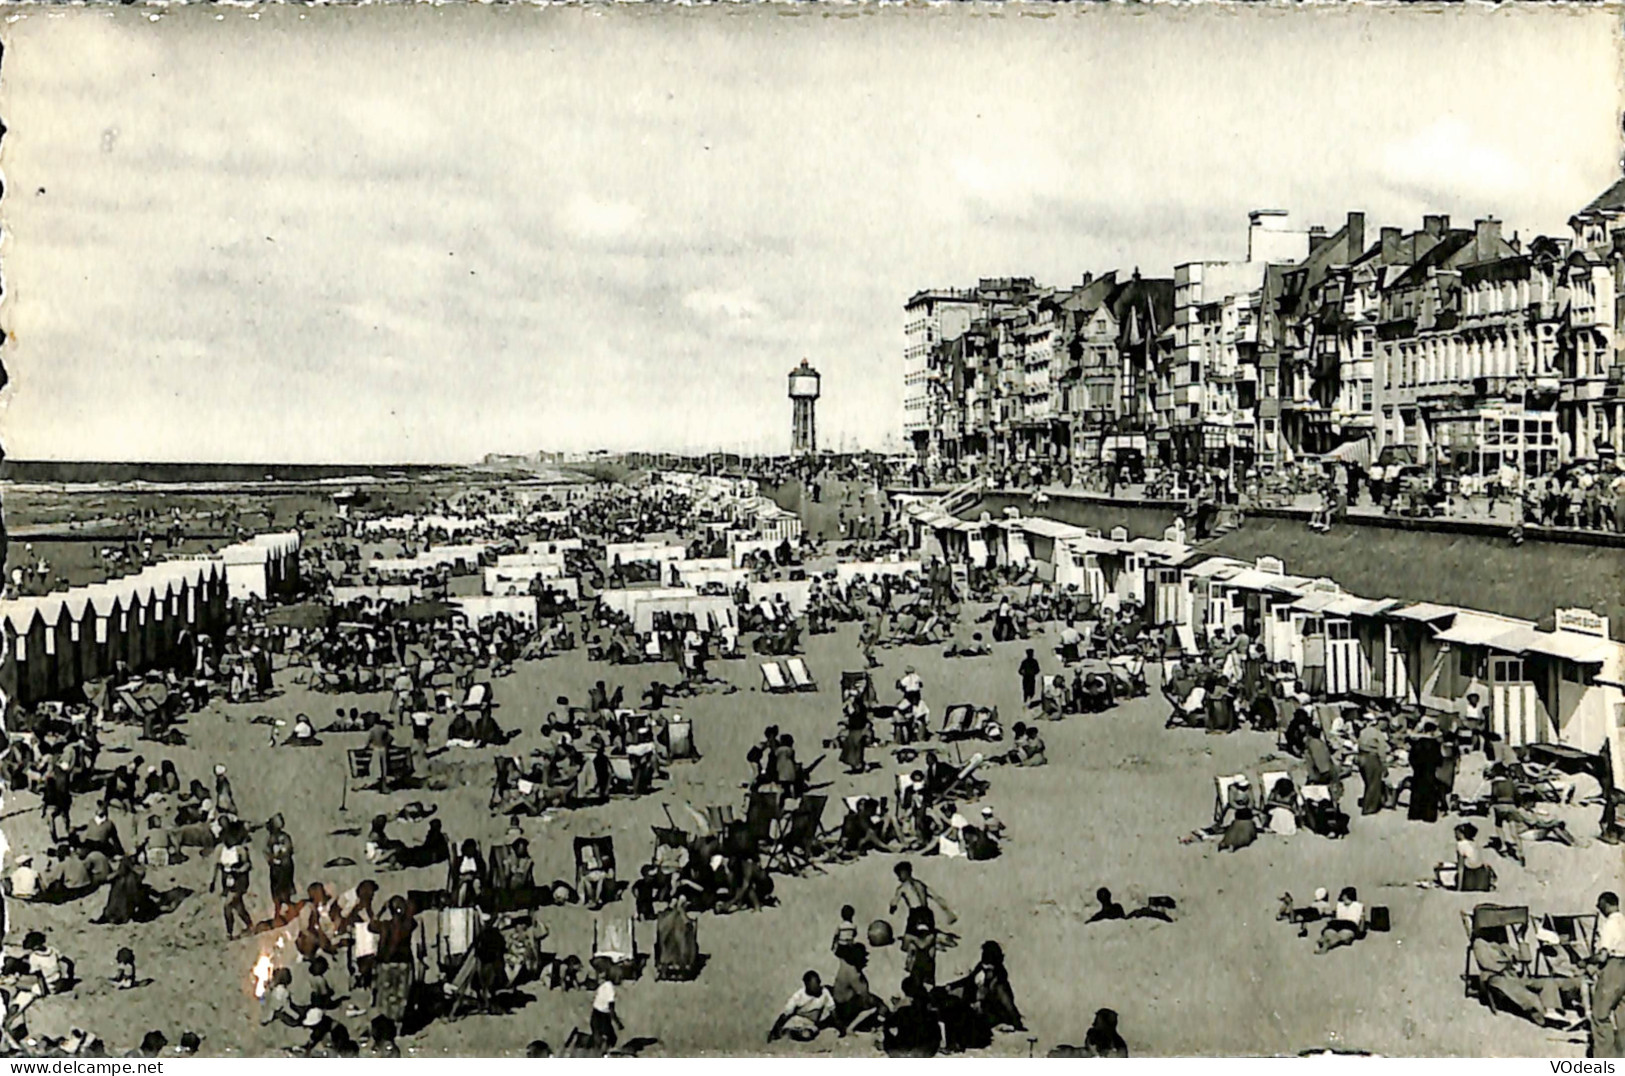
{"x":1120,"y":791}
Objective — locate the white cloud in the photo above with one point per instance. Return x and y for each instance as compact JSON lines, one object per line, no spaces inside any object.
{"x":595,"y":218}
{"x":738,"y":306}
{"x":1447,"y":155}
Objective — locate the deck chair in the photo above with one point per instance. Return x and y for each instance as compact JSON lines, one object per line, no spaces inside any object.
{"x":800,"y":678}
{"x":397,"y":766}
{"x":1267,"y":781}
{"x":761,"y":811}
{"x":595,"y":853}
{"x":1577,"y":933}
{"x":773,"y":678}
{"x":860,"y":682}
{"x":1479,"y":922}
{"x":478,"y":697}
{"x":459,"y":928}
{"x":680,"y":738}
{"x":359,"y":760}
{"x":620,"y":773}
{"x":957,"y":720}
{"x":615,"y":938}
{"x":1221,"y":793}
{"x":799,"y":838}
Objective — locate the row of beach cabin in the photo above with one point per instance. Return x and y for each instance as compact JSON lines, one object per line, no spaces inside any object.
{"x":1564,"y":686}
{"x":55,"y":643}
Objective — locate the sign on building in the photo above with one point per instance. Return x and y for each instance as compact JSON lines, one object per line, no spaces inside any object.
{"x":1583,"y":621}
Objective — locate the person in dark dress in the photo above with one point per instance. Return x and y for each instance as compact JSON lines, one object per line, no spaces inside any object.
{"x":1103,"y":1039}
{"x":913,"y":1029}
{"x":1425,"y":759}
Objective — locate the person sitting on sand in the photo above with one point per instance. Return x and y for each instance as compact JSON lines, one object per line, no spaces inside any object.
{"x":810,"y":1010}
{"x":1109,"y":908}
{"x":856,"y":1006}
{"x":1347,"y":922}
{"x":1102,"y":1039}
{"x":1033,"y":752}
{"x":303,"y":734}
{"x":460,"y":733}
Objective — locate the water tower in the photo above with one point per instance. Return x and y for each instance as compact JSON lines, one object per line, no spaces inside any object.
{"x":804,"y":390}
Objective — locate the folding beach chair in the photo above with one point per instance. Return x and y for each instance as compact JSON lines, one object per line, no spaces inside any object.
{"x":594,"y":853}
{"x":615,"y":939}
{"x":860,"y":683}
{"x":800,"y":836}
{"x":1267,"y":781}
{"x":680,"y":739}
{"x":1576,"y":933}
{"x":360,"y":763}
{"x":774,"y":679}
{"x":956,"y":721}
{"x":1483,"y":919}
{"x":397,"y":767}
{"x":1221,"y":793}
{"x":800,"y":678}
{"x":761,"y":812}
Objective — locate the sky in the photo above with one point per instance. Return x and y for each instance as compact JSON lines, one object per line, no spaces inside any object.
{"x":421,"y":234}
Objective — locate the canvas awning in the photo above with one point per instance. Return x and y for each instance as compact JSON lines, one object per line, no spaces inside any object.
{"x":1425,"y":612}
{"x":1357,"y":453}
{"x":1568,"y":645}
{"x":1472,"y":629}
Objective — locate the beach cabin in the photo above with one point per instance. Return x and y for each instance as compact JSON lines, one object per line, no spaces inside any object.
{"x":1160,"y":580}
{"x":1250,"y":602}
{"x":1461,"y":658}
{"x":1355,"y":642}
{"x":281,"y":561}
{"x":1199,"y":572}
{"x":245,"y":565}
{"x":61,"y":668}
{"x":25,"y":650}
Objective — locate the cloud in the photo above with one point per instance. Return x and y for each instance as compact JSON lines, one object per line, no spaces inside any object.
{"x":587,"y":217}
{"x":1447,"y":155}
{"x":737,"y":307}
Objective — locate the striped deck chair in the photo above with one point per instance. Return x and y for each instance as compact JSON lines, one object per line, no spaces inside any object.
{"x":800,"y":678}
{"x":774,"y":679}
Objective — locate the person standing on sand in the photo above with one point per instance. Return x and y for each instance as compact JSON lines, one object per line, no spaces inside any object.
{"x":1029,"y":670}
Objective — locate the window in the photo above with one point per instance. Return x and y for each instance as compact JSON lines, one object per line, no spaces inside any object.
{"x":1283,"y":614}
{"x":1236,"y":600}
{"x":73,"y":630}
{"x":50,"y":641}
{"x":22,"y":648}
{"x":101,"y":629}
{"x":1312,"y":625}
{"x":1339,"y":630}
{"x":1508,"y":670}
{"x":1471,"y":663}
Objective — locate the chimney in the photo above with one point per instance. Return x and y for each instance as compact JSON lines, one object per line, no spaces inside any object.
{"x":1317,"y":237}
{"x":1515,"y":243}
{"x":1390,"y":245}
{"x":1436,"y":225}
{"x":1354,"y":234}
{"x":1088,"y":278}
{"x":1487,"y":237}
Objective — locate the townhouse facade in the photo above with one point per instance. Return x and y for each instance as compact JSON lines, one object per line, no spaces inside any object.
{"x":1447,"y":347}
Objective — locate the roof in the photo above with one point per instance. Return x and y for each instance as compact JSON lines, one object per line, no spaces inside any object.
{"x":1570,"y":645}
{"x":1612,"y":198}
{"x":1480,"y":629}
{"x":1253,"y":579}
{"x":1315,"y":602}
{"x":20,"y":614}
{"x":1159,"y":547}
{"x":1050,"y":528}
{"x":1425,"y":612}
{"x":1213,"y":567}
{"x":1352,"y":605}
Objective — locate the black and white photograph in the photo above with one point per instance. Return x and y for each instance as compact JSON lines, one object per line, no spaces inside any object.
{"x":839,"y":531}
